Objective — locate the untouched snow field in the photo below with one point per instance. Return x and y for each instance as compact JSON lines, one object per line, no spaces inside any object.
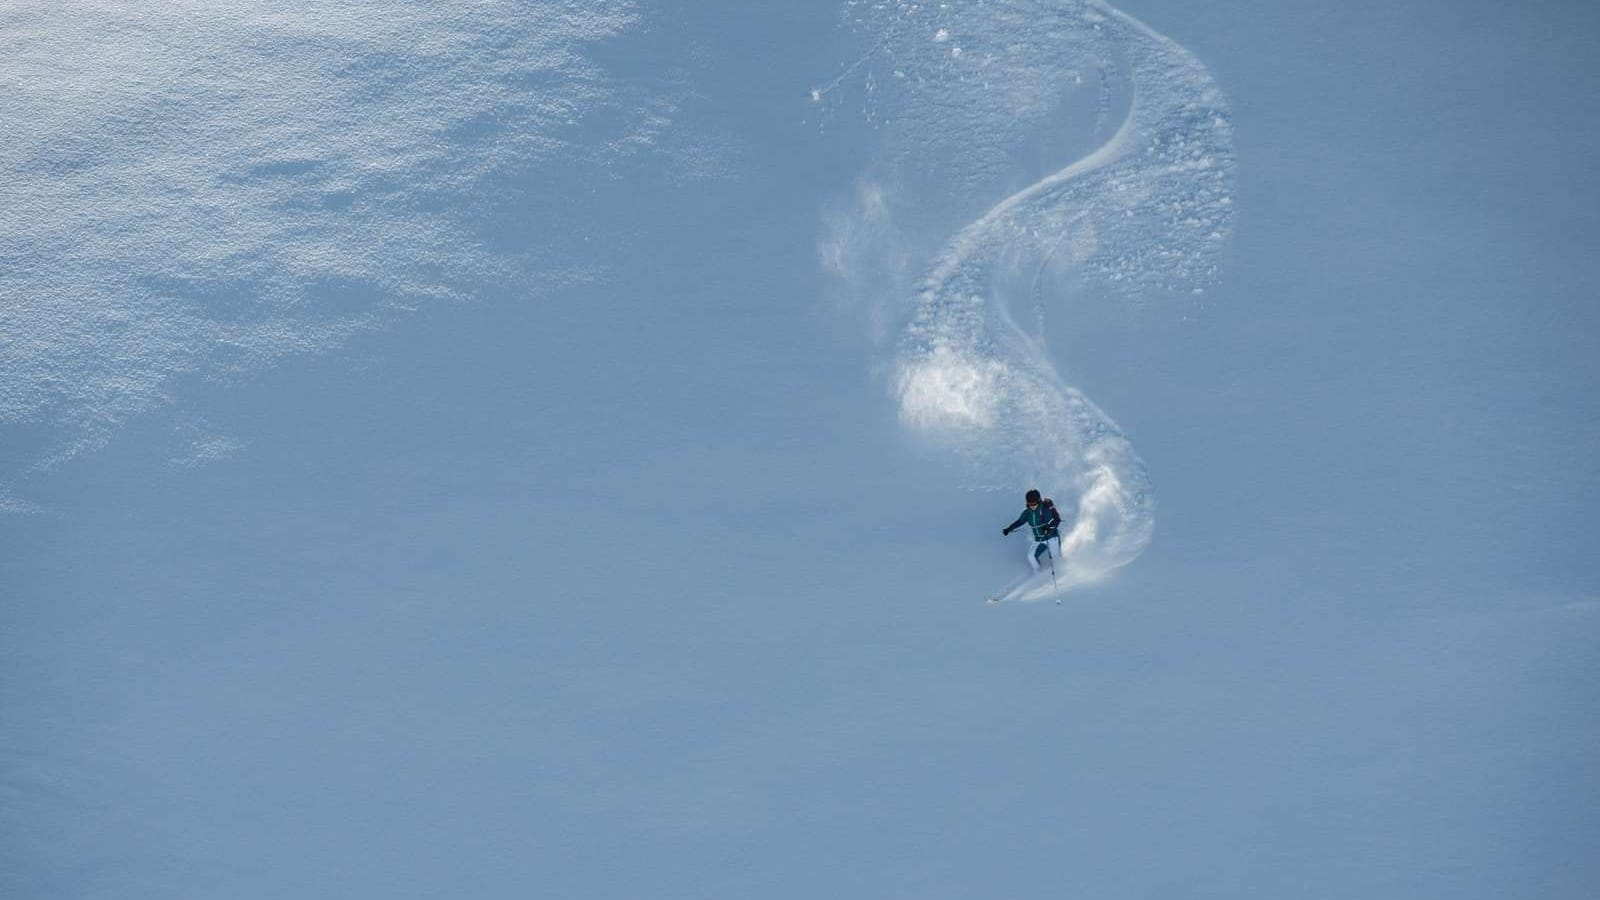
{"x":559,"y":449}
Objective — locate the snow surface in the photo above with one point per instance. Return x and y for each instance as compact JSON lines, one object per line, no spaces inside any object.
{"x":559,"y":449}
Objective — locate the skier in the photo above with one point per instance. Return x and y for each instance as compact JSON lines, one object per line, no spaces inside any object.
{"x":1042,"y":517}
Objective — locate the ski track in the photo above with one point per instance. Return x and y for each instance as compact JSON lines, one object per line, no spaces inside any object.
{"x":1144,"y":213}
{"x":206,"y":189}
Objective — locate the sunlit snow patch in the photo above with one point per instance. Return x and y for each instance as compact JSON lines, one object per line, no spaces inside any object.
{"x":209,"y":187}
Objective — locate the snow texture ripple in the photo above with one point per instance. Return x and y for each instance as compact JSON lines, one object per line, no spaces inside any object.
{"x":204,"y":189}
{"x":963,"y":95}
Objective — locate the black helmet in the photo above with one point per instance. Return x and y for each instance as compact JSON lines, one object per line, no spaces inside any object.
{"x":1033,"y":496}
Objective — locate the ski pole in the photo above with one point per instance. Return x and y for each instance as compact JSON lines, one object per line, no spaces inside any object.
{"x":1053,"y":585}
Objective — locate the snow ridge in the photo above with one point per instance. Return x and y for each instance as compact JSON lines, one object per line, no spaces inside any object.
{"x":1146,"y":210}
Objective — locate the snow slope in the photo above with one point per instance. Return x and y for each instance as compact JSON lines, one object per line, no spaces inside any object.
{"x":596,"y":556}
{"x":205,"y":190}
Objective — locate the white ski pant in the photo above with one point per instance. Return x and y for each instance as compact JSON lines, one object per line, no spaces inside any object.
{"x":1053,"y":545}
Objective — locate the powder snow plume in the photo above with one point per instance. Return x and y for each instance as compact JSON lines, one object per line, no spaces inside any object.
{"x":1029,"y":151}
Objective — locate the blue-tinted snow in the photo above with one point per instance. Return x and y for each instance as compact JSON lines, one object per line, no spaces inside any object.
{"x":465,"y":453}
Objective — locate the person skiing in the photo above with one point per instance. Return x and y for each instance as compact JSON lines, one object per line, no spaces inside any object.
{"x":1041,"y":516}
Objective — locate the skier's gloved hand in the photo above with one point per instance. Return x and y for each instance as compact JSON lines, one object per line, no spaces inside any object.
{"x":1005,"y":532}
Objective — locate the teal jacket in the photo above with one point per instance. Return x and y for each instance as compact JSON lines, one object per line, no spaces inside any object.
{"x":1043,"y":520}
